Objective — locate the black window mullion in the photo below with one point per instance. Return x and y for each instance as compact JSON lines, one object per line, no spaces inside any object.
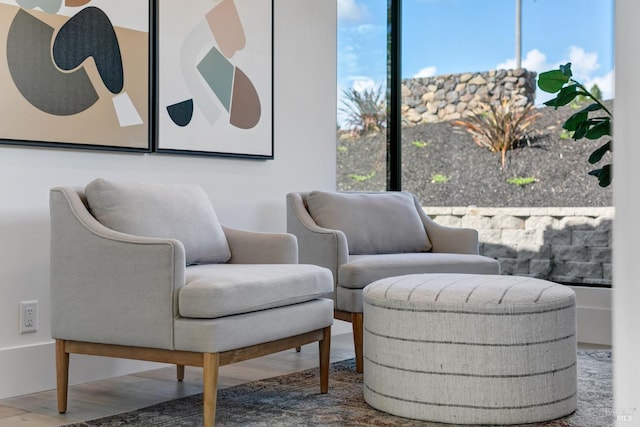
{"x":394,"y":96}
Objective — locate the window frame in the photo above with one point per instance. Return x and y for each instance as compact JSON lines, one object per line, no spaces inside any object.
{"x":394,"y":95}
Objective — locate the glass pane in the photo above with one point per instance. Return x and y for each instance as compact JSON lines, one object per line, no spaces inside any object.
{"x":362,"y":80}
{"x":458,"y":58}
{"x":476,"y":132}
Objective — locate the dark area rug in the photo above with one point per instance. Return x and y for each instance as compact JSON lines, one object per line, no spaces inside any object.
{"x":294,"y":400}
{"x":443,"y":166}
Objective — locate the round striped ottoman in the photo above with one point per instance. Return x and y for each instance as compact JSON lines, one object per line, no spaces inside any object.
{"x":470,"y":349}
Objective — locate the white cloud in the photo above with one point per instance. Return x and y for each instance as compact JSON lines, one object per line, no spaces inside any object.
{"x":605,"y":83}
{"x":363,"y":83}
{"x":534,"y":60}
{"x":509,"y":64}
{"x":352,"y":10}
{"x":367,"y":29}
{"x":583,"y":64}
{"x":349,"y":59}
{"x":426,"y":72}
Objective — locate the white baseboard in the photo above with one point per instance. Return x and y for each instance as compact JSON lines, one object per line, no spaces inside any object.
{"x":31,"y":369}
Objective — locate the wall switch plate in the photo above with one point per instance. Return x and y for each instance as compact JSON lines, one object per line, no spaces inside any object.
{"x":28,"y":316}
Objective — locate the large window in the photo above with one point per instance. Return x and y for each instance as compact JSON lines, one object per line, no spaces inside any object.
{"x":464,"y":125}
{"x":362,"y":95}
{"x":457,"y":57}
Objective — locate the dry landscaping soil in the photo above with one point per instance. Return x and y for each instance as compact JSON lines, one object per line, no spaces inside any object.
{"x":443,"y":166}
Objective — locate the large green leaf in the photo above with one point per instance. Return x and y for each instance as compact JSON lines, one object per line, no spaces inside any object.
{"x":574,"y":121}
{"x":596,"y":156}
{"x":599,"y":130}
{"x":581,"y":129}
{"x":604,"y":175}
{"x":552,"y":81}
{"x":565,"y":96}
{"x":592,"y":107}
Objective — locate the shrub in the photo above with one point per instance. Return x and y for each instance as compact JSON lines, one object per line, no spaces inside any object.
{"x":366,"y":110}
{"x":500,"y":128}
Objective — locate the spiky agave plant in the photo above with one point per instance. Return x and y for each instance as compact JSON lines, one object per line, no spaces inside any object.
{"x":365,"y":110}
{"x":501,"y":127}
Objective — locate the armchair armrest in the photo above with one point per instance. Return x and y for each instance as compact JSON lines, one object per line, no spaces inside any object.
{"x":252,"y":247}
{"x":445,"y":239}
{"x":450,"y":239}
{"x":453,"y":240}
{"x":107,"y":286}
{"x":316,"y":245}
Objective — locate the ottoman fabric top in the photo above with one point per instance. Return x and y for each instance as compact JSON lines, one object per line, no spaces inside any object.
{"x":468,"y":293}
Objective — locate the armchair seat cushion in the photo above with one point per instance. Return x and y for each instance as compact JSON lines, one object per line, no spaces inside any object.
{"x":362,"y":270}
{"x":218,"y":290}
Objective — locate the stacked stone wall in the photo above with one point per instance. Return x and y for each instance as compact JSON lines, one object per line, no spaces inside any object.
{"x":453,"y":96}
{"x":565,"y":245}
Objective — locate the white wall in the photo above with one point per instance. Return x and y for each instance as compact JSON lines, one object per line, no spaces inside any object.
{"x":245,"y":193}
{"x":626,"y":231}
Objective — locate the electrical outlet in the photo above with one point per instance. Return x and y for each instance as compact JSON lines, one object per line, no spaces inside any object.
{"x":28,"y":316}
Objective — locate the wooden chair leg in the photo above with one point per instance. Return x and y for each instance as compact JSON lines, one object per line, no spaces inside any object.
{"x":211,"y":363}
{"x":180,"y":372}
{"x":325,"y":353}
{"x":62,"y":375}
{"x":356,"y":324}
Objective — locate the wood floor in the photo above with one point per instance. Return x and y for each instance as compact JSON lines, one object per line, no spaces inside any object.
{"x":125,"y":393}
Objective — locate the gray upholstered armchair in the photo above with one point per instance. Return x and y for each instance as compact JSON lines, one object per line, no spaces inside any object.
{"x":364,"y":237}
{"x":146,"y":272}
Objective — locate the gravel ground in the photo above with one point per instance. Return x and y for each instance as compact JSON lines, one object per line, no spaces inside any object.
{"x":473,"y":174}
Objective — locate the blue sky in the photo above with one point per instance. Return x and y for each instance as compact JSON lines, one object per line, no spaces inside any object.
{"x":455,"y":36}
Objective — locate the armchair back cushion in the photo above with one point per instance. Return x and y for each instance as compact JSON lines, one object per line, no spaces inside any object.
{"x":181,"y":212}
{"x":373,"y":223}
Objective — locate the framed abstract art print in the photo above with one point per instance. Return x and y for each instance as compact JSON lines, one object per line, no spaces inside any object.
{"x":215,"y":78}
{"x":76,"y":74}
